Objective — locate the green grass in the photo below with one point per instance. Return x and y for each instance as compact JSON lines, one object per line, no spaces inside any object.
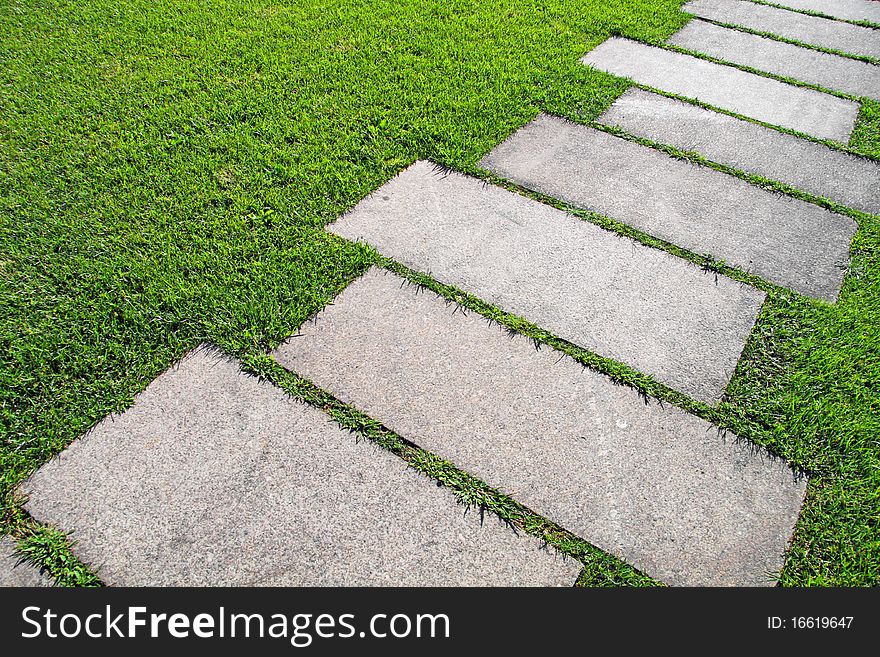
{"x":166,"y":169}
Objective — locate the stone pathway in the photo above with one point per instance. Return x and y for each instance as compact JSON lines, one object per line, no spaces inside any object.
{"x":214,"y":477}
{"x":814,"y":168}
{"x":849,"y":76}
{"x":787,"y":241}
{"x":811,"y":30}
{"x":565,"y":441}
{"x":14,"y":571}
{"x":569,"y":276}
{"x":854,"y":10}
{"x":731,"y":89}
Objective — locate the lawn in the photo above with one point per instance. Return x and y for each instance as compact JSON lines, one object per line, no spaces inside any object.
{"x":167,"y":167}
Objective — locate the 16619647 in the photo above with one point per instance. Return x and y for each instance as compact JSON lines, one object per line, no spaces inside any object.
{"x":809,"y":622}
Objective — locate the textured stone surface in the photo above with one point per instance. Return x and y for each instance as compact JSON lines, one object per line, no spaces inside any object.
{"x":15,"y":572}
{"x":650,"y":483}
{"x":215,"y":478}
{"x":851,"y":10}
{"x":813,"y":30}
{"x":609,"y":294}
{"x":811,"y":167}
{"x":787,"y":241}
{"x":771,"y":101}
{"x":850,"y":76}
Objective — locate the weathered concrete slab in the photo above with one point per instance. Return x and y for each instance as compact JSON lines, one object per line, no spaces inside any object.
{"x":806,"y":165}
{"x":850,"y":76}
{"x":787,"y":241}
{"x":812,"y":30}
{"x":850,"y":10}
{"x":609,"y":294}
{"x":650,"y":483}
{"x":15,"y":572}
{"x":216,"y":478}
{"x":778,"y":103}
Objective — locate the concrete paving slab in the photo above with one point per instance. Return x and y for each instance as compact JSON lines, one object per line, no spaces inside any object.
{"x":812,"y":30}
{"x":850,"y":10}
{"x":847,"y":179}
{"x":215,"y":478}
{"x":789,"y":242}
{"x":771,"y":101}
{"x":849,"y":76}
{"x":641,"y":306}
{"x":16,"y":573}
{"x":650,"y":483}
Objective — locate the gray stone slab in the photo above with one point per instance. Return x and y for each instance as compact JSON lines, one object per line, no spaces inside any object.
{"x":650,"y":483}
{"x":850,"y":10}
{"x":215,"y":478}
{"x":789,"y":242}
{"x":811,"y":167}
{"x":641,"y":306}
{"x":850,"y":76}
{"x":812,"y":30}
{"x":17,"y":573}
{"x":771,"y":101}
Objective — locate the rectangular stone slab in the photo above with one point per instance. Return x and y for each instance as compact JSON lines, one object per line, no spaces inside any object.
{"x":215,"y":478}
{"x":850,"y":10}
{"x":650,"y":483}
{"x":811,"y":167}
{"x":609,"y":294}
{"x":812,"y":30}
{"x":789,"y":242}
{"x":771,"y":101}
{"x":14,"y":572}
{"x":850,"y":76}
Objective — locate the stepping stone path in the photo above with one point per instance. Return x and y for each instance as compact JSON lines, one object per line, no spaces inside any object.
{"x":810,"y":30}
{"x":771,"y":101}
{"x":216,"y":478}
{"x":850,"y":76}
{"x":853,"y":10}
{"x":811,"y":167}
{"x":213,"y":477}
{"x":787,"y":241}
{"x":652,"y":484}
{"x":685,"y":326}
{"x":17,"y":573}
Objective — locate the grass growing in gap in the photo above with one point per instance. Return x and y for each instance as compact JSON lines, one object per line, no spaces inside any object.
{"x":785,"y":39}
{"x":166,"y":169}
{"x":600,"y":568}
{"x":812,"y":12}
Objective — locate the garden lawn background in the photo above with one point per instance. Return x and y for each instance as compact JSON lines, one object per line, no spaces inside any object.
{"x":167,"y":167}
